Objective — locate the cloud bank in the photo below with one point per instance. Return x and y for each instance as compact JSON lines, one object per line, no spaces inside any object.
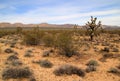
{"x":60,"y":11}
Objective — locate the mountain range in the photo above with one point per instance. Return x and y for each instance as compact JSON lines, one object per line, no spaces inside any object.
{"x":6,"y":24}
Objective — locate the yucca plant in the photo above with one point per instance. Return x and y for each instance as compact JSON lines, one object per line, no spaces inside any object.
{"x":92,"y":27}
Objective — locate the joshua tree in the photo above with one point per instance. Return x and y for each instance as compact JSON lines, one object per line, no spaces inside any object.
{"x":92,"y":27}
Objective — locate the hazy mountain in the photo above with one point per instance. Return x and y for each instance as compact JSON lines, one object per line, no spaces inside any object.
{"x":5,"y":24}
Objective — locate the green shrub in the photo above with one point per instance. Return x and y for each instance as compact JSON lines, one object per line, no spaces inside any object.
{"x":65,"y":44}
{"x":48,"y":40}
{"x":32,"y":39}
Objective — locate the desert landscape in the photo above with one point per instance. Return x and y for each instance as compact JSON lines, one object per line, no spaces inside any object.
{"x":59,"y":40}
{"x":59,"y":55}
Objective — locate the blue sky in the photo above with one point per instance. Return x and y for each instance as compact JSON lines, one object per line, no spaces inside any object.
{"x":60,"y":11}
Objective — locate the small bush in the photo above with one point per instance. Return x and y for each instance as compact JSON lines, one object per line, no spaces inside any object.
{"x":114,"y":70}
{"x":90,"y":69}
{"x":46,"y":53}
{"x":16,"y":63}
{"x":12,"y":58}
{"x":107,"y":55}
{"x":69,"y":70}
{"x":106,"y":49}
{"x":13,"y":44}
{"x":115,"y":50}
{"x":8,"y":50}
{"x":45,"y":63}
{"x":48,"y":40}
{"x":92,"y":63}
{"x":28,"y":53}
{"x":31,"y":39}
{"x":16,"y":72}
{"x":65,"y":44}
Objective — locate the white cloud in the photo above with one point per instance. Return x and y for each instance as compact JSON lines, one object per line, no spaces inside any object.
{"x":65,"y":13}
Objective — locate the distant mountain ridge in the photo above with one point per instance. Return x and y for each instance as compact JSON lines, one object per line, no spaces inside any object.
{"x":6,"y":24}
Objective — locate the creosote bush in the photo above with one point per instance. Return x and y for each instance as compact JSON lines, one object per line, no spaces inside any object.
{"x":65,"y":44}
{"x":69,"y":70}
{"x":92,"y":63}
{"x":114,"y":71}
{"x":44,"y":63}
{"x":8,"y":50}
{"x":16,"y":72}
{"x":91,"y":66}
{"x":48,"y":40}
{"x":32,"y":39}
{"x":12,"y":57}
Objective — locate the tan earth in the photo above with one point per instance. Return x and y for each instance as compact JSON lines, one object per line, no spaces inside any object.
{"x":87,"y":52}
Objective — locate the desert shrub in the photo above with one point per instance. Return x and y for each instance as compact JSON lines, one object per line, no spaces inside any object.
{"x":65,"y":45}
{"x":48,"y":40}
{"x":16,"y":72}
{"x":13,"y":44}
{"x":8,"y":50}
{"x":28,"y":53}
{"x":114,"y":70}
{"x":92,"y":63}
{"x":107,"y":55}
{"x":6,"y":32}
{"x":106,"y":49}
{"x":12,"y":57}
{"x":19,"y":30}
{"x":115,"y":50}
{"x":16,"y":63}
{"x":33,"y":37}
{"x":91,"y":68}
{"x":15,"y":53}
{"x":69,"y":70}
{"x":46,"y":53}
{"x":44,"y":63}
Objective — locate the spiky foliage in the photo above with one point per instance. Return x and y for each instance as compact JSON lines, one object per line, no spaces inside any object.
{"x":92,"y":27}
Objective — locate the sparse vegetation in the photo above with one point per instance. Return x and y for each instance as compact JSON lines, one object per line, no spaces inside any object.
{"x":69,"y":70}
{"x":8,"y":50}
{"x":92,"y":63}
{"x":44,"y":63}
{"x":59,"y":46}
{"x":114,"y":71}
{"x":49,"y":40}
{"x":12,"y":58}
{"x":16,"y":72}
{"x":65,"y":45}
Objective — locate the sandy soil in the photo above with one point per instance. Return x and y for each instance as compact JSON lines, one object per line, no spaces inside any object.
{"x":86,"y":53}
